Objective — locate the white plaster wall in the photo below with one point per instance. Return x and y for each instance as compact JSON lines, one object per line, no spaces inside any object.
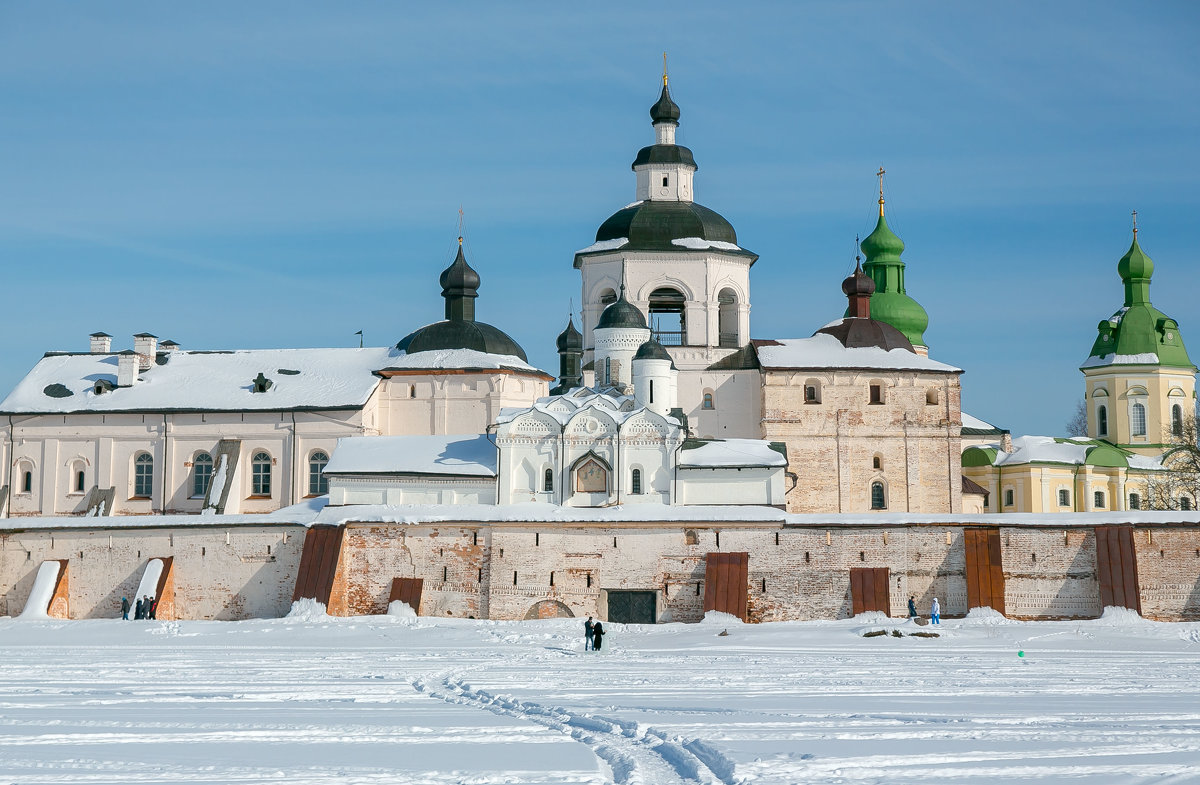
{"x":731,"y":486}
{"x":429,"y":403}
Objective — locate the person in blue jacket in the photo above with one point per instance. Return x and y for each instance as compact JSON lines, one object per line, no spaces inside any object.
{"x":935,"y":612}
{"x":912,"y":607}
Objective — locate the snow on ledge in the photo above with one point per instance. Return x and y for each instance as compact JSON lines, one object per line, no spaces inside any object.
{"x":1146,"y":358}
{"x":457,"y":359}
{"x":700,"y":244}
{"x":605,"y":245}
{"x":466,"y":454}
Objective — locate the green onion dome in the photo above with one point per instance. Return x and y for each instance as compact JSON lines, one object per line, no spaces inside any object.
{"x":890,"y":303}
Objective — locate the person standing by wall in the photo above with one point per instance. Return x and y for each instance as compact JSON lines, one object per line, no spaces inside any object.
{"x":912,"y":607}
{"x":587,"y":633}
{"x":125,"y":609}
{"x":935,"y":612}
{"x":597,"y":636}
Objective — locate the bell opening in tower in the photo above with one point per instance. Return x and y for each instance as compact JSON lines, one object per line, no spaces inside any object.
{"x":667,"y":317}
{"x":728,"y":319}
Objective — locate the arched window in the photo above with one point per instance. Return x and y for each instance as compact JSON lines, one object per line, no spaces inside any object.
{"x":1177,"y":420}
{"x":591,"y":476}
{"x":607,"y":298}
{"x":812,"y":391}
{"x":80,"y":479}
{"x":27,"y":482}
{"x":318,"y":483}
{"x":1102,"y":420}
{"x":635,"y":484}
{"x":877,"y":462}
{"x":1137,"y":419}
{"x":727,"y":319}
{"x":931,"y":396}
{"x":202,"y":472}
{"x":668,"y":321}
{"x":260,"y":474}
{"x":143,"y":476}
{"x":548,"y":481}
{"x":708,"y":401}
{"x":878,"y":499}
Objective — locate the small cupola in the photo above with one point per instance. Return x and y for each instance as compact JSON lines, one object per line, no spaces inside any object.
{"x":622,"y":314}
{"x":460,"y":287}
{"x":665,"y":110}
{"x":858,"y":288}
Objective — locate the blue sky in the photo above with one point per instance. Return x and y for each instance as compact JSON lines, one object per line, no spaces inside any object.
{"x":237,"y":175}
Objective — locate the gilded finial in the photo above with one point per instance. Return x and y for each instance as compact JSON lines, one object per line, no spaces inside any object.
{"x":880,"y":175}
{"x":1135,"y":224}
{"x":664,"y":69}
{"x":460,"y":224}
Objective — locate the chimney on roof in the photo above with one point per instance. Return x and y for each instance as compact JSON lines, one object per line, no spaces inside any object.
{"x":101,"y":343}
{"x":168,"y":345}
{"x":146,"y":345}
{"x":1006,"y":441}
{"x":128,"y":363}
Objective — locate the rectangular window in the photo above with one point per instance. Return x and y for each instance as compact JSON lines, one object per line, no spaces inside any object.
{"x":1135,"y":501}
{"x":1098,"y":500}
{"x":1008,"y":498}
{"x":666,"y":180}
{"x":876,"y":393}
{"x":1064,"y":498}
{"x":810,"y":394}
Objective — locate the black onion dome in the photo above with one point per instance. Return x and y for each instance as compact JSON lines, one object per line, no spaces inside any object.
{"x":858,"y":283}
{"x":459,"y":334}
{"x":854,"y":333}
{"x":569,"y":340}
{"x":664,"y":154}
{"x":459,"y":277}
{"x":664,"y":110}
{"x":622,"y":313}
{"x":652,"y":350}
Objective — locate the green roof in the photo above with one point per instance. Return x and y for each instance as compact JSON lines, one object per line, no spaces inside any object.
{"x":890,"y":303}
{"x":1139,"y":333}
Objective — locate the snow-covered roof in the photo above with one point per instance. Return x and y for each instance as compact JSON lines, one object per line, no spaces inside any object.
{"x":469,"y":454}
{"x":826,"y":351}
{"x":213,"y":381}
{"x":224,"y":380}
{"x":719,"y":453}
{"x":607,"y":245}
{"x":1049,"y":449}
{"x":976,"y":424}
{"x":456,"y":359}
{"x":563,"y":407}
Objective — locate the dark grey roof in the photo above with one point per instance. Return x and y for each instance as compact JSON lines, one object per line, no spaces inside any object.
{"x":665,"y":154}
{"x":664,"y":110}
{"x":459,"y":278}
{"x":622,"y":313}
{"x":569,"y":340}
{"x":460,"y":334}
{"x":857,"y":333}
{"x":653,"y":350}
{"x":651,"y":226}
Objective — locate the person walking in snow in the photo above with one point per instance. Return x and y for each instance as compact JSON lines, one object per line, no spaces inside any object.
{"x":935,"y":612}
{"x":912,"y":607}
{"x":125,"y":609}
{"x":597,"y":636}
{"x":138,"y":611}
{"x":587,"y":633}
{"x":153,"y":608}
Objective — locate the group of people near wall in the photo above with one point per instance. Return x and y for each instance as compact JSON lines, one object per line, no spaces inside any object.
{"x":145,"y":608}
{"x":935,"y":610}
{"x":593,"y":635}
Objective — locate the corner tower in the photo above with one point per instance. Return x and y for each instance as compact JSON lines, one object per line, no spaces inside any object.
{"x":683,"y":270}
{"x":891,"y":302}
{"x":1140,"y":382}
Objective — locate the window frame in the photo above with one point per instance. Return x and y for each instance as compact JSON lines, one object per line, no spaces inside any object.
{"x":1137,"y":419}
{"x":198,"y":461}
{"x":143,"y":476}
{"x":548,"y":480}
{"x":1064,"y":497}
{"x":1099,"y":500}
{"x":635,"y":482}
{"x":316,"y":476}
{"x":260,"y":475}
{"x":708,"y":402}
{"x":878,"y":495}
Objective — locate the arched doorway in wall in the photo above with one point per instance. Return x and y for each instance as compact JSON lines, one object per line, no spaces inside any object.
{"x":727,"y":319}
{"x":668,"y":317}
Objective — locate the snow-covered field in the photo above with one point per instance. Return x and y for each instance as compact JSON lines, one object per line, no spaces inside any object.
{"x":405,"y":700}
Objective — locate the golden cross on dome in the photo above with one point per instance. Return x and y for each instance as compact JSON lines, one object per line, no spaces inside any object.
{"x":664,"y":69}
{"x":1135,"y":223}
{"x":880,"y":175}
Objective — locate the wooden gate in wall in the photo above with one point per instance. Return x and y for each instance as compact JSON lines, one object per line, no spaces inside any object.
{"x":408,"y":591}
{"x":1116,"y":568}
{"x":725,"y":583}
{"x":869,"y":590}
{"x":985,"y":571}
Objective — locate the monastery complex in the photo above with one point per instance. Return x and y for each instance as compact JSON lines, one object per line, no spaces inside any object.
{"x":674,"y":465}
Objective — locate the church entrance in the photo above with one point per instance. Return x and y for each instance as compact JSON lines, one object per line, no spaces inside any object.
{"x":725,"y":583}
{"x":985,"y":571}
{"x":1116,"y":568}
{"x":869,"y":590}
{"x":633,"y":607}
